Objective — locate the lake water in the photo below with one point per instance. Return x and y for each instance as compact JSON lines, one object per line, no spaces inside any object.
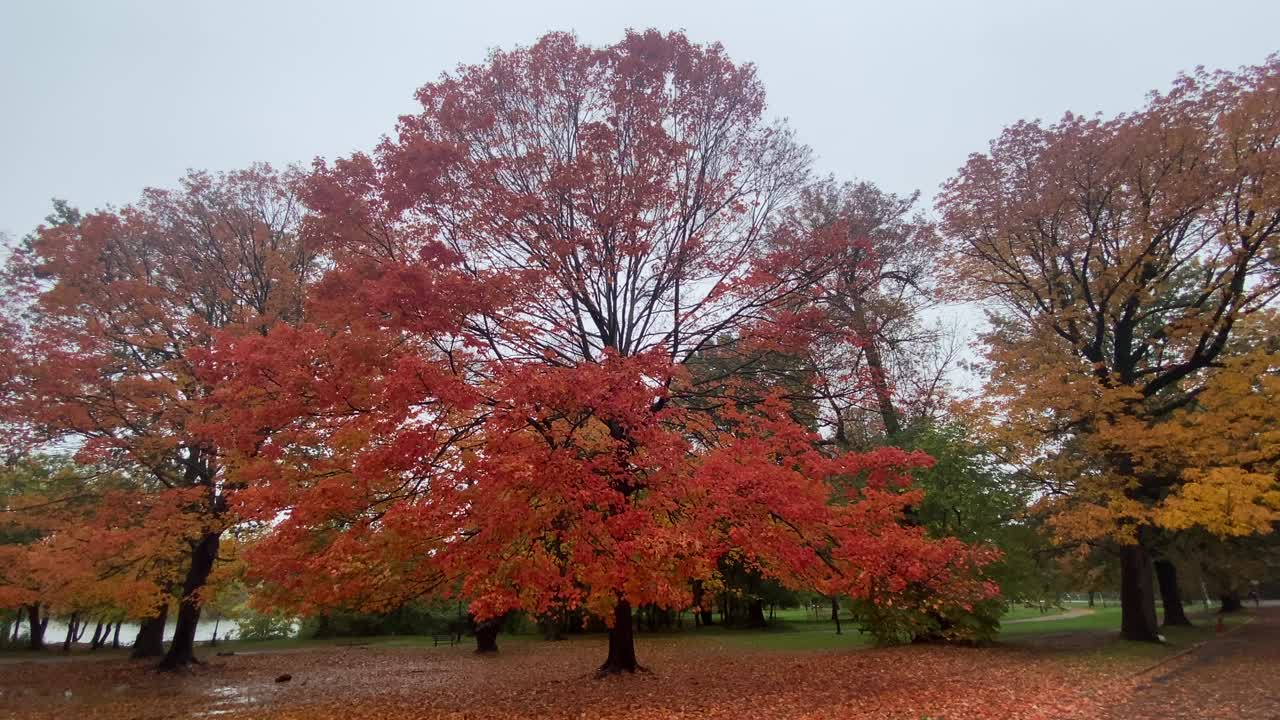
{"x":56,"y":632}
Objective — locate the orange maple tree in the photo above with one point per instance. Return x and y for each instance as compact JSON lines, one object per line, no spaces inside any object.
{"x":1125,"y":260}
{"x":76,"y":540}
{"x":112,"y":307}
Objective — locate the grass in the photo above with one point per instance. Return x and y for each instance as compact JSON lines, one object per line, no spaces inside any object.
{"x":1102,"y":619}
{"x":1108,"y":619}
{"x":1095,"y":638}
{"x":1019,"y":612}
{"x":792,"y":630}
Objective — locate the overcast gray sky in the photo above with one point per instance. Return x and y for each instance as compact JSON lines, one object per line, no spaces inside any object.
{"x":100,"y":99}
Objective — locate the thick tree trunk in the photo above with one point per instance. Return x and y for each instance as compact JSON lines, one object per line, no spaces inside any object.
{"x":150,"y":641}
{"x":182,"y":649}
{"x":1091,"y":594}
{"x":115,"y":636}
{"x":835,"y":612}
{"x":487,"y":635}
{"x":1137,"y":595}
{"x":1170,"y":593}
{"x":36,"y":639}
{"x":622,"y":644}
{"x":1231,"y":602}
{"x":755,"y":614}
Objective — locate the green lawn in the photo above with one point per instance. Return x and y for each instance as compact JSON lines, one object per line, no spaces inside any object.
{"x":1109,"y":619}
{"x":792,"y":629}
{"x":1108,"y":648}
{"x":1019,"y":612}
{"x":1099,"y":620}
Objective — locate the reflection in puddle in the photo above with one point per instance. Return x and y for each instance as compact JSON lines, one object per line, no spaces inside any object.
{"x":226,"y":699}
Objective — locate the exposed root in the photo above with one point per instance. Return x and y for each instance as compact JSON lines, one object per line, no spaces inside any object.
{"x":188,"y":665}
{"x":608,"y":669}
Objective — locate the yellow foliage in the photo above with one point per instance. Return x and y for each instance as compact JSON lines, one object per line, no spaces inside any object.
{"x":1225,"y":501}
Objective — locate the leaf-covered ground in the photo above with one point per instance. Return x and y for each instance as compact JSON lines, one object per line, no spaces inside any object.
{"x":1236,"y":676}
{"x":1068,"y":675}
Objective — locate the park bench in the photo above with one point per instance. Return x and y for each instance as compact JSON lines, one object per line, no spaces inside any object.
{"x":453,"y":636}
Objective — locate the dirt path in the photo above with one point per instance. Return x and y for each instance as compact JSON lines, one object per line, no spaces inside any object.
{"x":1235,"y":676}
{"x":1073,"y":613}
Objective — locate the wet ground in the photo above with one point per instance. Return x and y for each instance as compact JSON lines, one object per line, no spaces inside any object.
{"x":1234,"y":675}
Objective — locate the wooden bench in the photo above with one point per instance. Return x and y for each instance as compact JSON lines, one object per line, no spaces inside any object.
{"x":454,"y":635}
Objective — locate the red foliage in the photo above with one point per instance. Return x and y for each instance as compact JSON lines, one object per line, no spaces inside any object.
{"x":488,"y":397}
{"x":115,"y":309}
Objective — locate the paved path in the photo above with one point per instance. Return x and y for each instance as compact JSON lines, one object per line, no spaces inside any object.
{"x":1072,"y":613}
{"x":1234,"y":676}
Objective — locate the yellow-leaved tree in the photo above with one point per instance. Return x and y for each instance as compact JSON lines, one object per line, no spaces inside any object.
{"x":1130,"y":268}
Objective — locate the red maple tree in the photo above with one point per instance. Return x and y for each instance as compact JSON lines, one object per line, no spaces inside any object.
{"x":490,"y":395}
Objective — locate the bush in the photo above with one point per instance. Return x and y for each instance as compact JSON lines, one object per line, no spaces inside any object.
{"x":252,"y":625}
{"x":408,"y":619}
{"x":899,"y":624}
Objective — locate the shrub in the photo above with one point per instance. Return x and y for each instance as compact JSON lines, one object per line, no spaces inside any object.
{"x":253,"y":625}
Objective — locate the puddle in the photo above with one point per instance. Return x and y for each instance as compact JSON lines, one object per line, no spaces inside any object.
{"x":227,"y":699}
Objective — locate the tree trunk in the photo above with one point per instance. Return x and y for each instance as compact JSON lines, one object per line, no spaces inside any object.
{"x":835,"y":612}
{"x":1231,"y":602}
{"x":150,"y":641}
{"x":216,"y":623}
{"x":702,"y":614}
{"x":1170,"y":593}
{"x":71,"y":632}
{"x":98,"y":637}
{"x":115,"y":636}
{"x":622,"y":644}
{"x":879,"y":375}
{"x":36,"y":640}
{"x":755,"y":614}
{"x":1091,"y":594}
{"x":487,"y":635}
{"x":182,"y":649}
{"x":553,"y":626}
{"x":1137,"y":595}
